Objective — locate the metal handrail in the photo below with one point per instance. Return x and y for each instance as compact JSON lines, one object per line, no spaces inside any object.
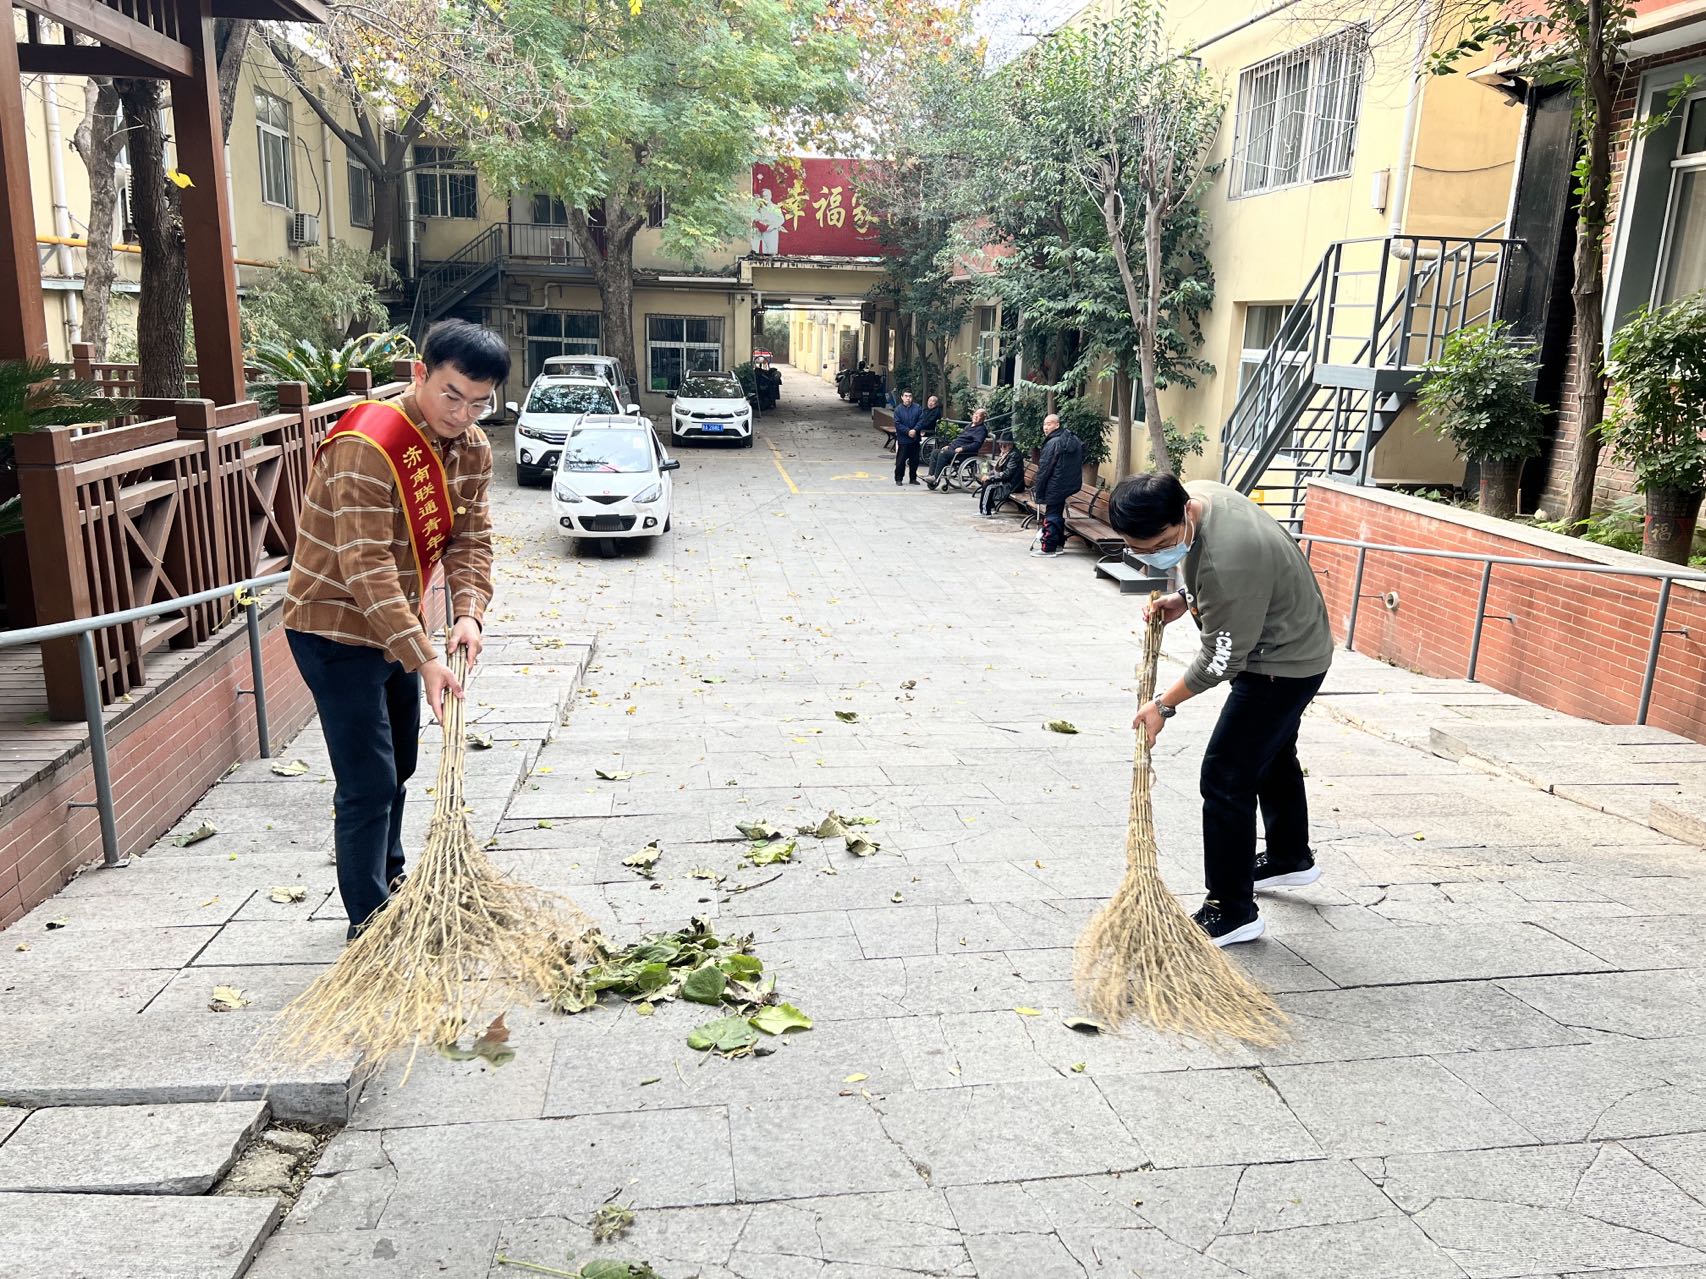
{"x":83,"y":628}
{"x":1666,"y":575}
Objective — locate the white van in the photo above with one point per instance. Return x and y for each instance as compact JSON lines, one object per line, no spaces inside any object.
{"x":607,"y":368}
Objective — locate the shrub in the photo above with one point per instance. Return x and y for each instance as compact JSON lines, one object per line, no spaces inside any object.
{"x":1657,"y":402}
{"x":324,"y":369}
{"x":318,"y":305}
{"x":1181,"y":447}
{"x":1478,"y":395}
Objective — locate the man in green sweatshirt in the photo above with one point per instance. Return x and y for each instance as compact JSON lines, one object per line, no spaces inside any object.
{"x":1264,"y":629}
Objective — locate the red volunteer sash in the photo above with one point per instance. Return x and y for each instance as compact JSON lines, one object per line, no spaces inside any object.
{"x":421,"y":482}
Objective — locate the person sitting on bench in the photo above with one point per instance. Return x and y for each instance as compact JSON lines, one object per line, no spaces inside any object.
{"x":1007,"y":479}
{"x":966,"y":444}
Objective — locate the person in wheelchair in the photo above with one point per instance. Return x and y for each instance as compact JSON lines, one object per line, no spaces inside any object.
{"x":1006,"y":479}
{"x":966,"y":444}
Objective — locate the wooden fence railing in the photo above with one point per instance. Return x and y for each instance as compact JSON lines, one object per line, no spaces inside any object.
{"x":139,"y":513}
{"x":119,"y":380}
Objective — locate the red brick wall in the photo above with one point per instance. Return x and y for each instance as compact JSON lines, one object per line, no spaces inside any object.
{"x":163,"y":757}
{"x":1612,"y":481}
{"x":1578,"y":641}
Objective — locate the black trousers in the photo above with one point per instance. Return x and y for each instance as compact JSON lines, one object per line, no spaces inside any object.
{"x":1054,"y":525}
{"x":945,"y":456}
{"x":1251,"y":762}
{"x":370,"y":713}
{"x":991,"y":496}
{"x":906,"y":457}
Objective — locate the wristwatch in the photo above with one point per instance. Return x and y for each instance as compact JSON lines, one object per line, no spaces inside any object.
{"x":1164,"y":710}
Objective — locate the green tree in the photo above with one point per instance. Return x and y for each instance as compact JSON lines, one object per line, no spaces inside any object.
{"x":340,"y":289}
{"x":678,"y":98}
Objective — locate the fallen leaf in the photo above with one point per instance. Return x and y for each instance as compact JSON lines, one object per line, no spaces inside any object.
{"x":644,"y":861}
{"x":1084,"y":1025}
{"x":1078,"y":1067}
{"x":897,"y":896}
{"x":713,"y":679}
{"x":632,"y":710}
{"x":492,"y":1044}
{"x":545,"y":823}
{"x":724,"y":1035}
{"x":1060,"y":726}
{"x":650,"y":1080}
{"x":610,"y":1222}
{"x":847,"y":717}
{"x":909,"y":683}
{"x":855,"y":1079}
{"x":608,"y":775}
{"x":211,"y":901}
{"x":704,"y":872}
{"x":477,"y":741}
{"x":291,"y":768}
{"x":1029,"y":1012}
{"x":228,"y":999}
{"x":859,"y":846}
{"x":23,"y":945}
{"x":830,"y":827}
{"x":776,"y":1019}
{"x":207,"y":830}
{"x":287,"y":893}
{"x":60,"y":922}
{"x":860,"y":821}
{"x":1418,"y":835}
{"x":759,"y":831}
{"x":771,"y":851}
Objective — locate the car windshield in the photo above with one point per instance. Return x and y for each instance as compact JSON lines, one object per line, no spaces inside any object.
{"x":571,"y":398}
{"x":579,"y":368}
{"x":701,"y":387}
{"x":608,"y":449}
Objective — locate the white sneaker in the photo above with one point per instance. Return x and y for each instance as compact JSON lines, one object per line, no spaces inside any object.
{"x":1296,"y":879}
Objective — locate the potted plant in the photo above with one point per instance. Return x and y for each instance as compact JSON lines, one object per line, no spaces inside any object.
{"x":1655,"y":416}
{"x":1479,"y":395}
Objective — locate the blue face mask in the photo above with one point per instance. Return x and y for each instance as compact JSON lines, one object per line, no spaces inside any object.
{"x":1168,"y":558}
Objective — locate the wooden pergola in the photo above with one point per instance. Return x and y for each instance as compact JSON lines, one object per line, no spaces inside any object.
{"x":170,"y":40}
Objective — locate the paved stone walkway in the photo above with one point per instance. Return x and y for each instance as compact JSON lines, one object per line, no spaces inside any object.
{"x":1497,"y":994}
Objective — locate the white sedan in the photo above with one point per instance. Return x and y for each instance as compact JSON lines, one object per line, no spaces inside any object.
{"x":613,"y":480}
{"x":711,"y":406}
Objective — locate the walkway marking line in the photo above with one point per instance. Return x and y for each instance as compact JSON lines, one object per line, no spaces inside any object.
{"x":776,"y":457}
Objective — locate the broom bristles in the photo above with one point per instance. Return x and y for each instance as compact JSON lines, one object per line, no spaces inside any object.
{"x":1142,"y":953}
{"x":459,"y":943}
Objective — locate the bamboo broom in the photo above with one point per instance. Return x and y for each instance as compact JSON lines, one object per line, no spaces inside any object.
{"x":459,"y":943}
{"x":1141,"y":952}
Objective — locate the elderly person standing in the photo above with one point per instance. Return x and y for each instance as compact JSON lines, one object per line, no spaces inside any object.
{"x":908,"y":439}
{"x":1060,"y":474}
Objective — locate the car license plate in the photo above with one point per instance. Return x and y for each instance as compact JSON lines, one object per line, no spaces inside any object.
{"x":713,"y":427}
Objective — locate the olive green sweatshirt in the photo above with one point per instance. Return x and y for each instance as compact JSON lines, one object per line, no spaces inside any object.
{"x":1252,"y":594}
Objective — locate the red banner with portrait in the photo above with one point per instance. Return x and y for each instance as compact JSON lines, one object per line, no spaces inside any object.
{"x":814,"y":208}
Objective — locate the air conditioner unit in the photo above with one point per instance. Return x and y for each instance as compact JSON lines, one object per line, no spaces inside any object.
{"x":868,"y":312}
{"x":304,"y":230}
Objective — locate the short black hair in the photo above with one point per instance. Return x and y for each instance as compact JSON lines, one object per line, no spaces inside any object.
{"x":473,"y":351}
{"x":1143,"y":505}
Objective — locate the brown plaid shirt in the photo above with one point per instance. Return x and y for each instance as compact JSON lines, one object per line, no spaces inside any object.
{"x":353,"y":578}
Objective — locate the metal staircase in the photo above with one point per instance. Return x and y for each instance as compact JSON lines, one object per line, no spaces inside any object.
{"x":1348,"y":357}
{"x":539,"y":248}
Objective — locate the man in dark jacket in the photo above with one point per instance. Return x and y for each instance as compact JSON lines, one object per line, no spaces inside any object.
{"x":1060,"y":474}
{"x":932,"y":416}
{"x":966,"y":444}
{"x":908,"y":438}
{"x":1008,"y":479}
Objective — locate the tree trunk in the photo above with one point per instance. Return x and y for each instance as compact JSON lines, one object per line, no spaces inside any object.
{"x":97,"y":140}
{"x":1144,"y":313}
{"x":164,"y":304}
{"x":387,"y":200}
{"x":230,"y":44}
{"x":1588,"y":291}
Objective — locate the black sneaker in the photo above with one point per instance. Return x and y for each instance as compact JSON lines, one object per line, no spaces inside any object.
{"x":1226,"y":929}
{"x":1276,"y":874}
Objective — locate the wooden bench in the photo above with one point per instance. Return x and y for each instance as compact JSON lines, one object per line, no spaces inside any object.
{"x":1084,"y":522}
{"x":883,"y":421}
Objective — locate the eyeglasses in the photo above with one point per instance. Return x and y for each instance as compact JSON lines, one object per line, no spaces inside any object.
{"x":462,"y":407}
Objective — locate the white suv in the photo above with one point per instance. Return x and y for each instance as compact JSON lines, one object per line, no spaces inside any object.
{"x":613,"y":480}
{"x":555,"y":406}
{"x":606,"y":367}
{"x":711,"y":406}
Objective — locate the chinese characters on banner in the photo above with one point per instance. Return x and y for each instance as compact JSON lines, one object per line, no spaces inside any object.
{"x":813,"y":208}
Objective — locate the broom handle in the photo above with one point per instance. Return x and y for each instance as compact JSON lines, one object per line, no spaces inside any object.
{"x":1140,"y":824}
{"x":447,"y":796}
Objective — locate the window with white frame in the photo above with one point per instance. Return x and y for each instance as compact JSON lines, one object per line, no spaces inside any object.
{"x":1682,"y":256}
{"x":360,"y":195}
{"x":677,"y":345}
{"x":1297,"y":114}
{"x":272,"y":129}
{"x":445,"y":185}
{"x":988,"y":347}
{"x":1262,"y":321}
{"x":559,"y":333}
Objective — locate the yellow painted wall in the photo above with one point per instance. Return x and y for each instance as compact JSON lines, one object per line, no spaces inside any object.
{"x":1264,"y":247}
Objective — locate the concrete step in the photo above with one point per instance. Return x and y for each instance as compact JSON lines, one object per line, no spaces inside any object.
{"x":72,"y":1059}
{"x":129,"y":1150}
{"x":1132,"y":581}
{"x":131,"y":1236}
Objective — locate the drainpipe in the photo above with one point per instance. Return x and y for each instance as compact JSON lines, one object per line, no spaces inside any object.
{"x":331,"y":203}
{"x":61,"y":210}
{"x":1400,"y":192}
{"x":411,"y":241}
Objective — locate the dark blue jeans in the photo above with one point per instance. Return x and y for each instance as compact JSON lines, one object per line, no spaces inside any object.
{"x":1251,"y":762}
{"x":370,"y":713}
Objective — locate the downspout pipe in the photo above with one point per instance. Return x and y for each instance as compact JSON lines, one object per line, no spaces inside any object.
{"x":1400,"y":193}
{"x":61,"y":209}
{"x":1280,"y":7}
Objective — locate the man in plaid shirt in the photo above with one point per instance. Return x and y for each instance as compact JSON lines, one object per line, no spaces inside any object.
{"x":353,"y":613}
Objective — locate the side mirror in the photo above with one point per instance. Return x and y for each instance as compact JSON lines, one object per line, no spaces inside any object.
{"x":669,"y":395}
{"x":512,"y":406}
{"x":671,"y":465}
{"x":633,"y":410}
